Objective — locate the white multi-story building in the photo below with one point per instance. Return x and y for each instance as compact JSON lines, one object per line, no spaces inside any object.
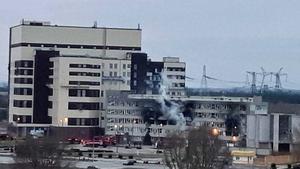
{"x":59,"y":75}
{"x":175,"y":72}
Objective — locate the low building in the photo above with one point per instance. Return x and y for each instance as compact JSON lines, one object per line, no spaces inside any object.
{"x":273,"y":127}
{"x":136,"y":114}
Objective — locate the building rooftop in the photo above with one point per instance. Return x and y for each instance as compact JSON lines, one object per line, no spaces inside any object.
{"x":194,"y":98}
{"x":48,"y":24}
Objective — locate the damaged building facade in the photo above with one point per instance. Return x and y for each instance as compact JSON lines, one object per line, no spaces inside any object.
{"x":136,"y":114}
{"x":88,"y":81}
{"x":246,"y":122}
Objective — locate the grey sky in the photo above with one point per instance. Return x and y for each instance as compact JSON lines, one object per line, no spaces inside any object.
{"x":229,"y":36}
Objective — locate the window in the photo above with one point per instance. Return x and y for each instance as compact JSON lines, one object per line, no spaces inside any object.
{"x":24,"y":63}
{"x":115,"y":65}
{"x":23,"y":103}
{"x":124,"y":66}
{"x":128,"y":74}
{"x":23,"y":72}
{"x":83,"y":106}
{"x":84,"y":83}
{"x":110,"y":74}
{"x":83,"y":93}
{"x":84,"y":74}
{"x":50,"y":81}
{"x":124,"y":74}
{"x":84,"y":66}
{"x":129,"y":66}
{"x":83,"y":121}
{"x":50,"y":91}
{"x":51,"y":72}
{"x":115,"y":74}
{"x":51,"y":64}
{"x":21,"y":119}
{"x":101,"y":105}
{"x":110,"y":65}
{"x":23,"y":80}
{"x":102,"y":93}
{"x":22,"y":91}
{"x":50,"y":104}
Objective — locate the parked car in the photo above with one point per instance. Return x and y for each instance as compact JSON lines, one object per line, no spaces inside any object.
{"x":130,"y":162}
{"x":91,"y":167}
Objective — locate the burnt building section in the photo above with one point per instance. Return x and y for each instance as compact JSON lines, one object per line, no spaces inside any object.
{"x":138,"y":72}
{"x":41,"y":81}
{"x":136,"y":114}
{"x":153,"y":77}
{"x":145,"y":74}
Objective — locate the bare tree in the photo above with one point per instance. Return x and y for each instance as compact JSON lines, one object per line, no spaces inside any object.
{"x":41,"y":153}
{"x":197,"y":149}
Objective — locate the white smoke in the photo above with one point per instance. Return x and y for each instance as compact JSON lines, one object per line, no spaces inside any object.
{"x":170,"y":109}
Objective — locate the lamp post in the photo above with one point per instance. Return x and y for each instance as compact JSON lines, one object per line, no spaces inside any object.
{"x":116,"y":130}
{"x":132,"y":127}
{"x":160,"y":131}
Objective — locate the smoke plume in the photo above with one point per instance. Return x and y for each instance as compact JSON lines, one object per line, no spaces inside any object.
{"x":170,"y":109}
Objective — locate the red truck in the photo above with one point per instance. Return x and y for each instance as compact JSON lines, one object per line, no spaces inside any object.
{"x":100,"y":141}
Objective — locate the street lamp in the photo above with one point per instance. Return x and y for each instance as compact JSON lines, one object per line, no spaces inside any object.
{"x":215,"y":132}
{"x":234,"y":140}
{"x":66,"y":121}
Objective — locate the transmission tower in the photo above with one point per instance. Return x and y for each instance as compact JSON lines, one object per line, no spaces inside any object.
{"x":278,"y":75}
{"x":204,"y":78}
{"x":253,"y":81}
{"x":264,"y":75}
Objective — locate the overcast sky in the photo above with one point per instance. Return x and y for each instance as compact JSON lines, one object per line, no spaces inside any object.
{"x":229,"y":36}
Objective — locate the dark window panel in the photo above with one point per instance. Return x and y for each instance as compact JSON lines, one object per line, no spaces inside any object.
{"x":24,"y":63}
{"x":83,"y":106}
{"x":23,"y":72}
{"x":23,"y":80}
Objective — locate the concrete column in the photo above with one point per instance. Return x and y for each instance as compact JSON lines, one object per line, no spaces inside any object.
{"x":257,"y":128}
{"x":275,"y":132}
